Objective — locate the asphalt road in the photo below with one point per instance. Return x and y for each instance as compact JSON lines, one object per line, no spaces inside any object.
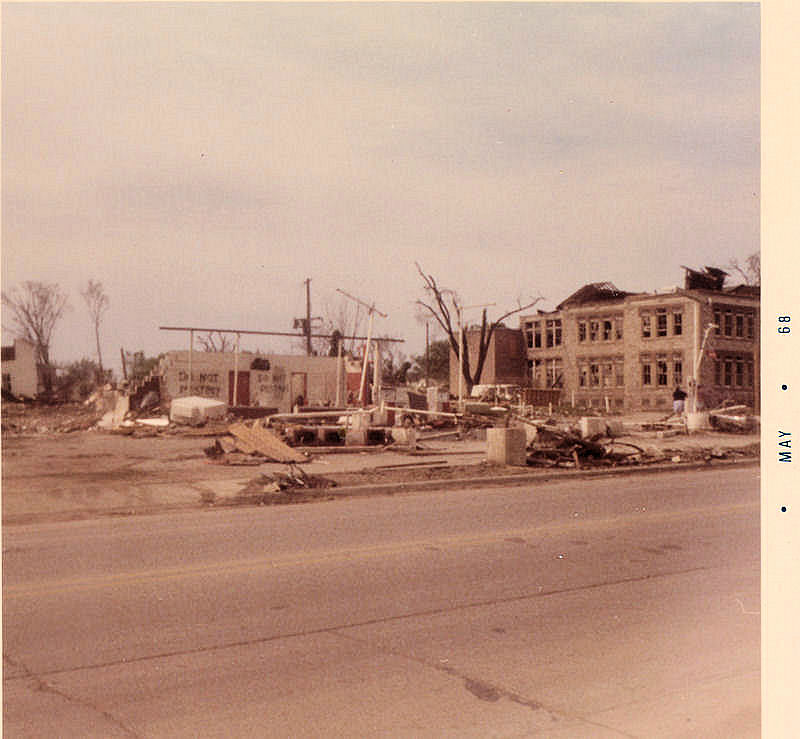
{"x":619,"y":607}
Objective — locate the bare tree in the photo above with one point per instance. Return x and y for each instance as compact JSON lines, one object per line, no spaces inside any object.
{"x":97,"y":303}
{"x":36,"y":308}
{"x":215,"y":341}
{"x":750,"y":272}
{"x":444,"y":305}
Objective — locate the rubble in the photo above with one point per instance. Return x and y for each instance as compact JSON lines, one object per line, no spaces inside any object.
{"x":292,"y":486}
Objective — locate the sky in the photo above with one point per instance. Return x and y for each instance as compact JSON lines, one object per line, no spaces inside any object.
{"x":203,"y":160}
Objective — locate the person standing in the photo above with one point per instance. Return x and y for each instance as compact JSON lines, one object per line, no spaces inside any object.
{"x":678,"y":400}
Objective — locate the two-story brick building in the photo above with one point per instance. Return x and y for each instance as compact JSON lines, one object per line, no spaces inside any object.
{"x":606,"y":348}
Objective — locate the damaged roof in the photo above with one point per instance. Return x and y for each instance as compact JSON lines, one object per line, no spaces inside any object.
{"x":594,"y":292}
{"x":711,"y":278}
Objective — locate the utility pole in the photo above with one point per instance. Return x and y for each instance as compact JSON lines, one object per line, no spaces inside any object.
{"x":308,"y":316}
{"x":371,"y":309}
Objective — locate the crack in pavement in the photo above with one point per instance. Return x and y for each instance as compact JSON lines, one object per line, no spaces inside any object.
{"x":42,"y":686}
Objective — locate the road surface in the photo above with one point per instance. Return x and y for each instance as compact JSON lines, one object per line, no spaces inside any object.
{"x":616,"y":607}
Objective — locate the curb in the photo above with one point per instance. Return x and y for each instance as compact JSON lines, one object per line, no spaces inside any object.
{"x":543,"y":476}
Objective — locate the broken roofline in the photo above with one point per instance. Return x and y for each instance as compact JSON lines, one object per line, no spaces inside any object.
{"x":271,"y":333}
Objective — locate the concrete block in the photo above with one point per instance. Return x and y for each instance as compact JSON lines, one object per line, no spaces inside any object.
{"x":591,"y":426}
{"x":355,"y":437}
{"x":406,"y":435}
{"x":697,"y":422}
{"x":506,"y":446}
{"x":195,"y":411}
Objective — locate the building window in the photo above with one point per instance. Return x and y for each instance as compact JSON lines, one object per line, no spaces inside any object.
{"x":717,"y":372}
{"x":677,"y":370}
{"x":661,"y":323}
{"x":583,"y":376}
{"x":661,"y":372}
{"x":594,"y":330}
{"x":537,"y":334}
{"x":581,"y":330}
{"x":728,"y":378}
{"x":608,"y":374}
{"x":677,"y":324}
{"x":647,"y":377}
{"x":619,"y":369}
{"x":645,"y":326}
{"x":717,"y":323}
{"x":553,"y":372}
{"x":618,"y":327}
{"x":594,"y":374}
{"x":606,"y":330}
{"x":536,"y":373}
{"x":7,"y":382}
{"x":739,"y":371}
{"x":750,"y":326}
{"x":553,"y":332}
{"x":750,"y":378}
{"x":739,"y":326}
{"x":728,"y":330}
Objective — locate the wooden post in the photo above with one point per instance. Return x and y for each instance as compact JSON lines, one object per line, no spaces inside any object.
{"x":191,"y":348}
{"x":376,"y":375}
{"x":361,"y":398}
{"x":124,"y":368}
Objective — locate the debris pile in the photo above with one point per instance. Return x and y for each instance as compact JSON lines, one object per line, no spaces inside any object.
{"x":555,"y":447}
{"x":292,"y":486}
{"x":252,"y":444}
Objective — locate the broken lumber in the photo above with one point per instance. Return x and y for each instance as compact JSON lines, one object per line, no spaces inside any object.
{"x":260,"y":440}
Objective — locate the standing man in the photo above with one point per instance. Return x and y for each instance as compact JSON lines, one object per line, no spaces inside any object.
{"x":678,"y":401}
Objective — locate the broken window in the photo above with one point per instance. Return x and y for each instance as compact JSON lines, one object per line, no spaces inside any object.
{"x":553,"y":372}
{"x":537,"y":334}
{"x":750,"y":378}
{"x":529,"y":339}
{"x":677,"y":370}
{"x":608,"y":374}
{"x":647,"y":378}
{"x":645,"y":326}
{"x":728,"y":326}
{"x":619,"y":369}
{"x":661,"y":323}
{"x":594,"y":330}
{"x":750,"y":326}
{"x":594,"y":374}
{"x":717,"y":322}
{"x":536,"y":373}
{"x":661,"y":372}
{"x":581,"y":330}
{"x":583,"y":375}
{"x":606,"y":330}
{"x":739,"y":326}
{"x":739,"y":371}
{"x":618,"y":327}
{"x":553,"y":332}
{"x":717,"y":372}
{"x":677,"y":324}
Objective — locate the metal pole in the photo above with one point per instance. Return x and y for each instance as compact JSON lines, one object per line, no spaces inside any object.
{"x":366,"y":359}
{"x":236,"y":372}
{"x":460,"y":360}
{"x":308,"y":316}
{"x":191,"y":346}
{"x":376,"y":375}
{"x":339,"y":374}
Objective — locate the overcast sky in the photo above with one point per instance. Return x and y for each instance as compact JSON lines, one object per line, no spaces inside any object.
{"x":203,"y":160}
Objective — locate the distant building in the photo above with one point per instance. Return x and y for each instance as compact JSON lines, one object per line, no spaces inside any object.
{"x":263,"y":380}
{"x":21,"y":375}
{"x":606,"y":348}
{"x":505,"y":359}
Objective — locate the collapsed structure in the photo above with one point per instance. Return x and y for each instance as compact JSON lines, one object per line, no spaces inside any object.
{"x":609,"y":349}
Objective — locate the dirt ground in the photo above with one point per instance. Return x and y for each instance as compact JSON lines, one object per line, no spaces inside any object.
{"x":54,"y":465}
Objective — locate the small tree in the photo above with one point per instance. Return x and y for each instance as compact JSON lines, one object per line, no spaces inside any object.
{"x":437,"y":362}
{"x":97,"y":303}
{"x":215,"y":341}
{"x":35,"y":309}
{"x":445,"y":307}
{"x":751,"y":271}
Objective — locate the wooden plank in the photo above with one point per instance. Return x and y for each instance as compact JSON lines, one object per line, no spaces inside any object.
{"x":264,"y":442}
